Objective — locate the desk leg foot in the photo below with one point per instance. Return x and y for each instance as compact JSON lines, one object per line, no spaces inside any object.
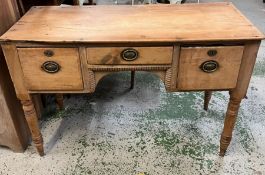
{"x":32,"y":120}
{"x":59,"y":101}
{"x":229,"y":124}
{"x":224,"y":143}
{"x":132,"y":79}
{"x":207,"y":98}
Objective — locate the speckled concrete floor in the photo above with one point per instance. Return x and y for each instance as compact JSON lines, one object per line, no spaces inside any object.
{"x":147,"y":131}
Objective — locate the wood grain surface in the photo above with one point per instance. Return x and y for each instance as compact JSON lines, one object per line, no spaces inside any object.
{"x":238,"y":93}
{"x":146,"y":55}
{"x":173,"y":41}
{"x":191,"y":77}
{"x":69,"y":76}
{"x":140,"y":23}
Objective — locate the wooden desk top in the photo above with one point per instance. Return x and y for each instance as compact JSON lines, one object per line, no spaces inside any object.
{"x":139,"y":23}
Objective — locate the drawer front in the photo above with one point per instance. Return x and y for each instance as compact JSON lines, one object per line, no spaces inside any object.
{"x":209,"y":67}
{"x":127,"y":55}
{"x":51,"y":68}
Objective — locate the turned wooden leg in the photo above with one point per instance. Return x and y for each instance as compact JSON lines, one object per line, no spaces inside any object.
{"x":238,"y":93}
{"x":229,"y":124}
{"x":132,"y":79}
{"x":59,"y":101}
{"x":207,"y":98}
{"x":31,"y":117}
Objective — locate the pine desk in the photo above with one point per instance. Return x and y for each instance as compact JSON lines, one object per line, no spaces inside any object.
{"x":191,"y":47}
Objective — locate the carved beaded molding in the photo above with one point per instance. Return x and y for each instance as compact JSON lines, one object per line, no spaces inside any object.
{"x":93,"y":70}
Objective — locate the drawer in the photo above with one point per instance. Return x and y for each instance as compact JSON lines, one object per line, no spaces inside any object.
{"x":209,"y":67}
{"x":51,"y":68}
{"x":125,"y":55}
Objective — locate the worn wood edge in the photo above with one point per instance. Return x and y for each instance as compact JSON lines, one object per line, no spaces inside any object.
{"x":246,"y":68}
{"x":84,"y":70}
{"x":128,"y":44}
{"x":148,"y":41}
{"x":12,"y":58}
{"x":175,"y":64}
{"x":88,"y":45}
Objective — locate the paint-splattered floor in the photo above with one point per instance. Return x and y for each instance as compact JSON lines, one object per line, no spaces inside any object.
{"x":148,"y":131}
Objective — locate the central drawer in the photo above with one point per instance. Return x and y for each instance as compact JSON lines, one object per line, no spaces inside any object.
{"x":129,"y":55}
{"x":51,"y":68}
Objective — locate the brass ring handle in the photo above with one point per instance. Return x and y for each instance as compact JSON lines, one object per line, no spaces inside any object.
{"x":129,"y":54}
{"x":48,"y":53}
{"x":51,"y":67}
{"x":209,"y":66}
